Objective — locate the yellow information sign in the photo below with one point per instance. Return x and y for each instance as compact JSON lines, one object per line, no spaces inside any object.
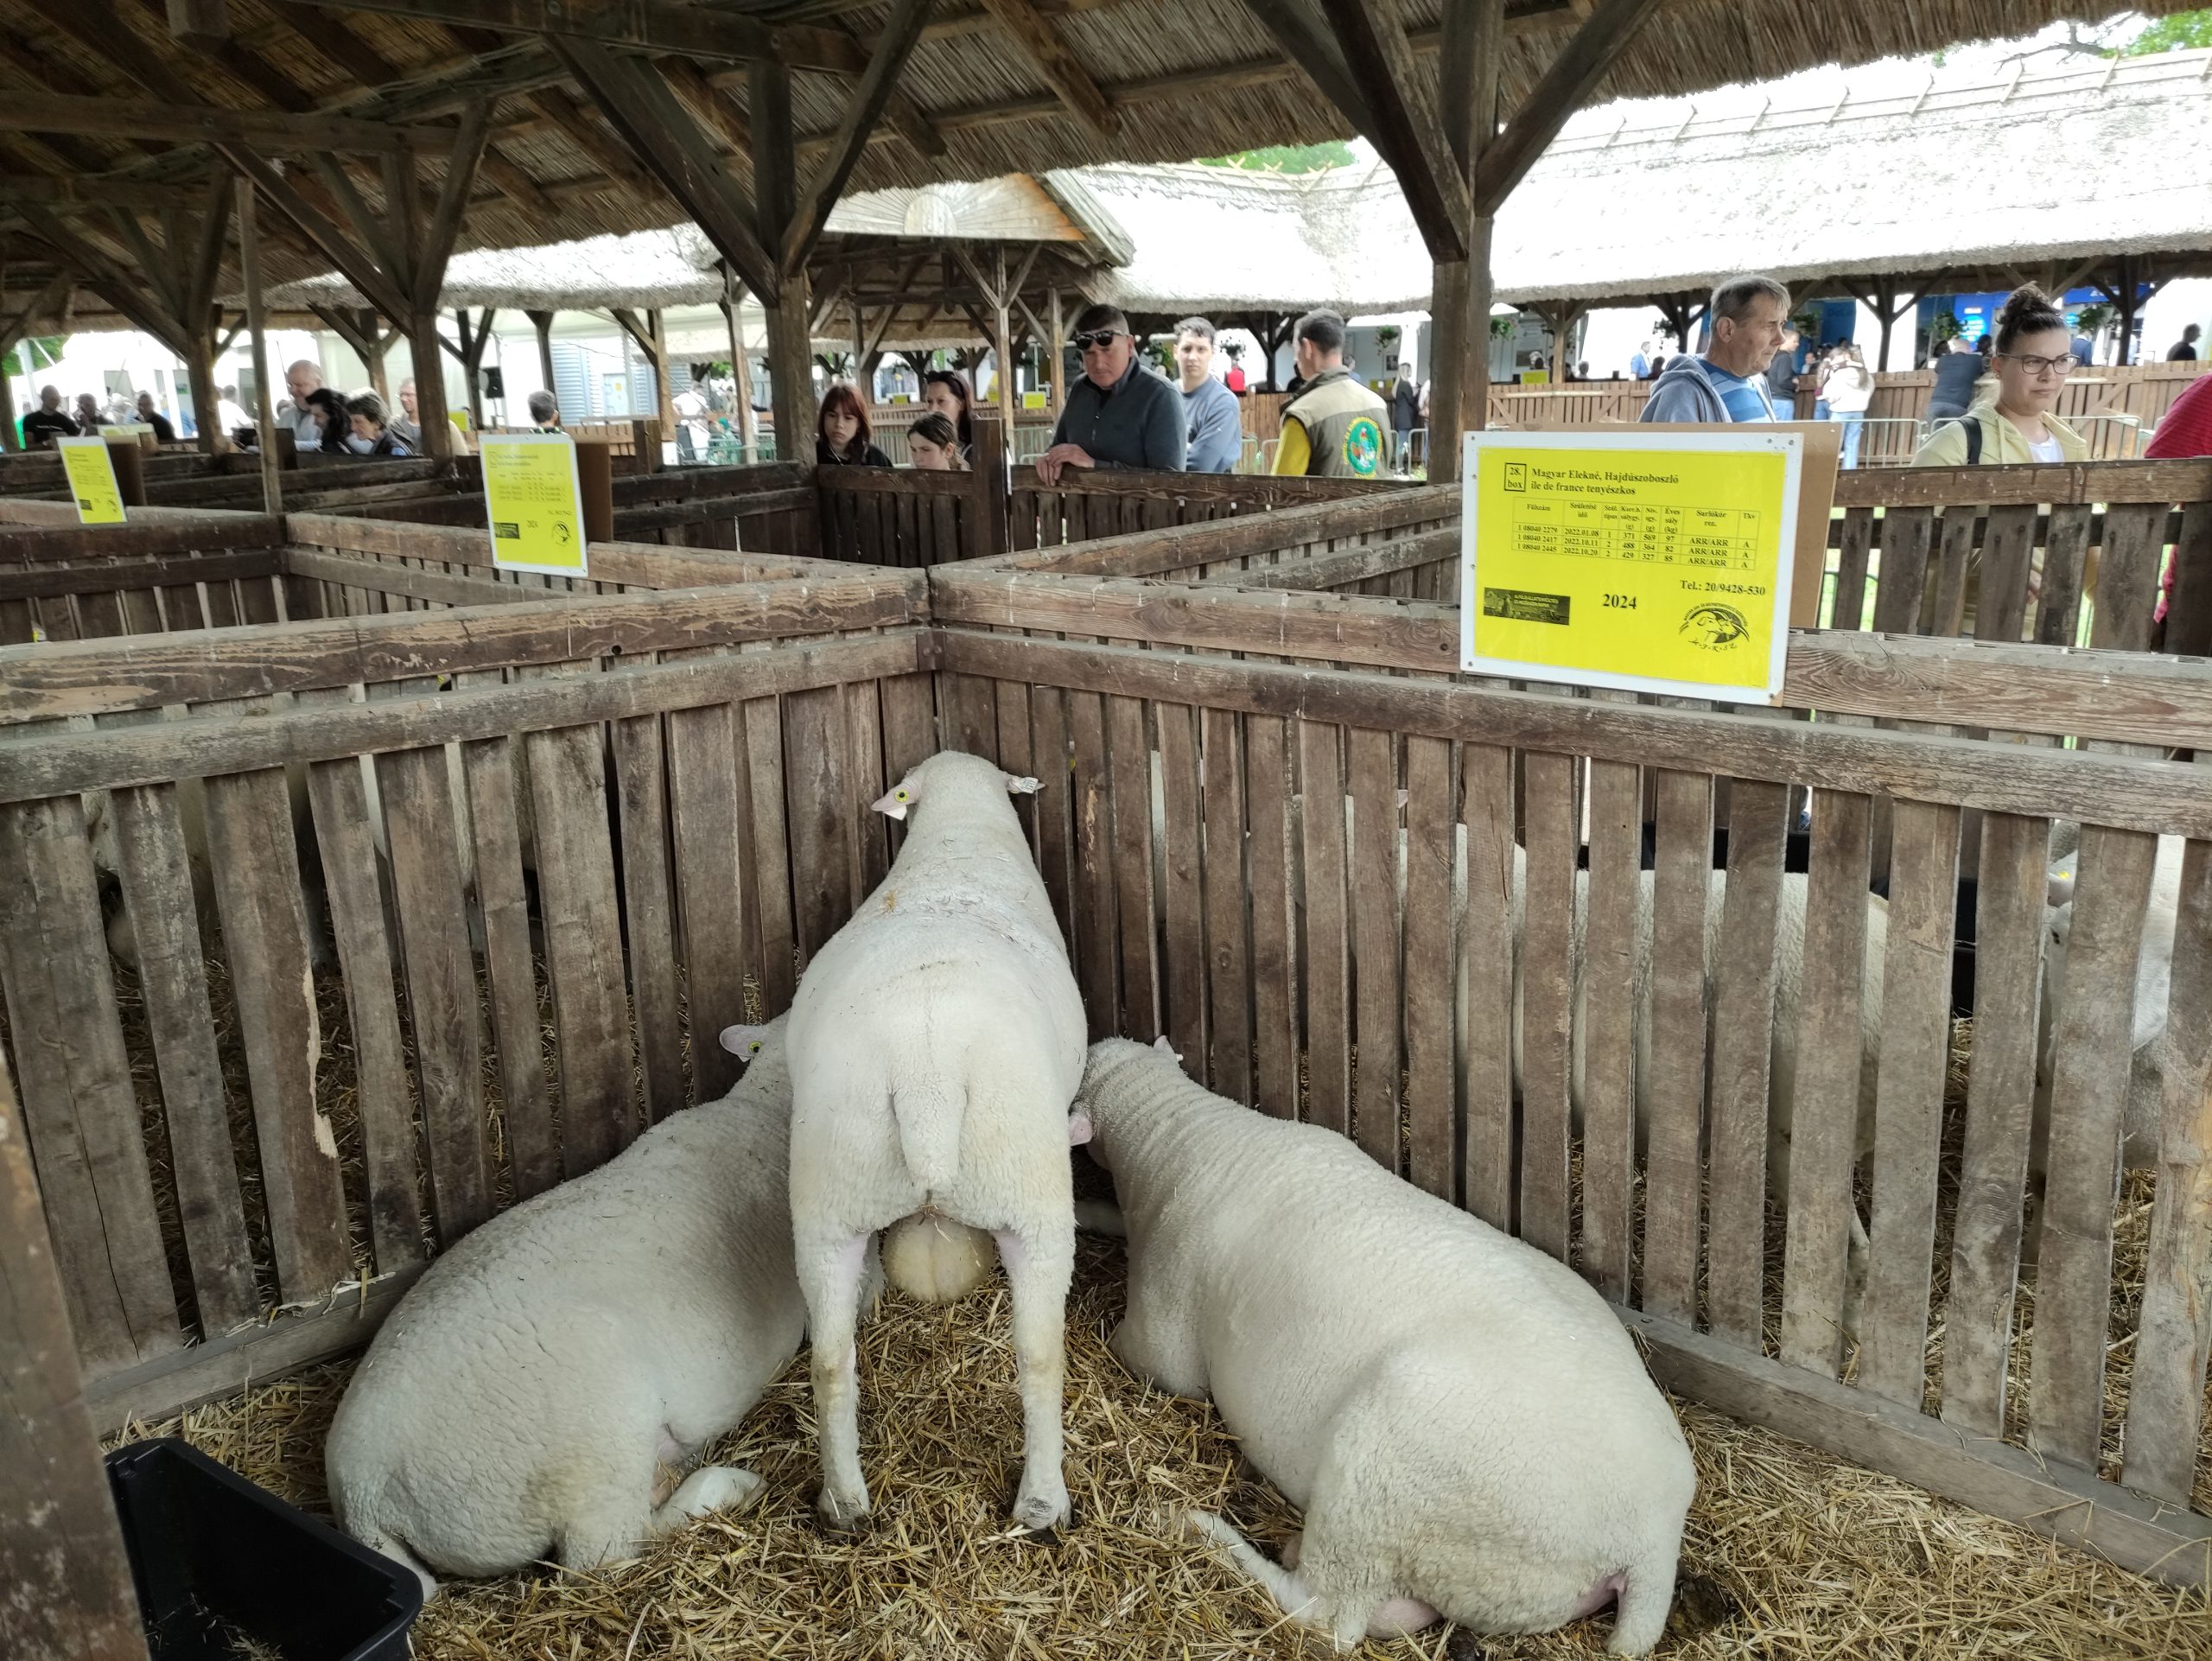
{"x":534,"y":502}
{"x":1648,"y":561}
{"x":90,"y":472}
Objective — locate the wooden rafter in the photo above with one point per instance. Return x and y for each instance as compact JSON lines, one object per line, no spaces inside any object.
{"x":1406,"y":130}
{"x":1574,"y":75}
{"x":1057,"y":66}
{"x":43,"y":303}
{"x":429,"y":273}
{"x":870,"y":96}
{"x":645,"y":111}
{"x":53,"y":113}
{"x":104,"y":273}
{"x":380,"y":288}
{"x":656,"y":26}
{"x":1310,"y":46}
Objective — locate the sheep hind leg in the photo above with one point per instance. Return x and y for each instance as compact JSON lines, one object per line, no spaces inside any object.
{"x":1038,"y":1269}
{"x":830,"y":1277}
{"x":1347,"y":1620}
{"x":709,"y":1489}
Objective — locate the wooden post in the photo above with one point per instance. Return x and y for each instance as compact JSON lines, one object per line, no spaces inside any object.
{"x":987,"y":469}
{"x":1056,"y":358}
{"x":374,"y":339}
{"x":256,"y":322}
{"x":663,"y":392}
{"x":860,"y":351}
{"x":740,"y":367}
{"x":472,"y":357}
{"x":775,"y":182}
{"x":129,"y":463}
{"x":10,"y":440}
{"x":199,"y":376}
{"x":61,"y":1555}
{"x":595,"y":480}
{"x":542,"y":322}
{"x":1002,"y":345}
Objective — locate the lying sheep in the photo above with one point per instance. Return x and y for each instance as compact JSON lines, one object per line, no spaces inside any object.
{"x":529,"y":1396}
{"x":1466,"y":1425}
{"x":935,"y":1042}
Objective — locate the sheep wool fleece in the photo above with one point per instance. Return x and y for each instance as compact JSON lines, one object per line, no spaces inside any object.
{"x":525,"y":1397}
{"x":1465,"y":1424}
{"x":937,"y":1040}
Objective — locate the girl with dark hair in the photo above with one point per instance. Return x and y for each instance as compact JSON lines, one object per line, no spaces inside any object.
{"x":2012,"y":422}
{"x":934,"y":445}
{"x":842,"y":433}
{"x":949,"y":395}
{"x":336,"y":426}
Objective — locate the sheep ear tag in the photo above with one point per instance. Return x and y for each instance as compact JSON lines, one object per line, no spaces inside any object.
{"x":1022,"y":786}
{"x":744,"y":1040}
{"x":897,"y":801}
{"x":1078,"y":1127}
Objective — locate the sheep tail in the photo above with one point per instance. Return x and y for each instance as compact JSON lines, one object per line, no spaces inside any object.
{"x":928,"y":1119}
{"x":1640,"y":1616}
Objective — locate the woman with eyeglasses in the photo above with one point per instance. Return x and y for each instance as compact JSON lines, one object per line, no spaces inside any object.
{"x":948,"y":394}
{"x":2013,"y":423}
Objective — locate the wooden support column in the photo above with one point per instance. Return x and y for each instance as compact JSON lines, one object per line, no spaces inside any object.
{"x":61,"y":1557}
{"x":664,"y":383}
{"x":1056,"y":358}
{"x":1002,"y":348}
{"x":423,"y":250}
{"x":378,"y":343}
{"x":1458,"y":397}
{"x":775,"y":183}
{"x":48,"y":301}
{"x":740,"y":367}
{"x":256,"y":322}
{"x":10,"y":439}
{"x":542,"y":322}
{"x":471,"y":358}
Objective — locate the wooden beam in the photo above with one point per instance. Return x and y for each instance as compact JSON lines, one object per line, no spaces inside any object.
{"x":791,"y":335}
{"x":589,"y":134}
{"x":198,"y":22}
{"x":109,"y":279}
{"x":71,"y":192}
{"x":1311,"y":47}
{"x":542,"y":322}
{"x":103,"y":118}
{"x":1574,"y":75}
{"x":43,"y":304}
{"x":429,"y":273}
{"x":380,"y":288}
{"x":709,"y":104}
{"x":1057,"y":66}
{"x":893,"y":49}
{"x":1380,"y":63}
{"x":264,"y":420}
{"x":207,"y":253}
{"x":640,"y":105}
{"x":656,"y":26}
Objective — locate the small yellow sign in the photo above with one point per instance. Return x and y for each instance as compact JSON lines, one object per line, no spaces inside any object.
{"x":1651,"y":562}
{"x":534,"y":502}
{"x":1535,"y":376}
{"x":1033,"y":400}
{"x":90,"y":472}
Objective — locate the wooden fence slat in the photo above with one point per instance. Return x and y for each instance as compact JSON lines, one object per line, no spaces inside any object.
{"x":384,"y":1096}
{"x":1607,"y":1036}
{"x":1857,"y":544}
{"x":772,"y":866}
{"x":583,"y":942}
{"x":649,"y":911}
{"x":1129,"y":756}
{"x":909,"y":723}
{"x":2166,"y":1392}
{"x":2007,"y":553}
{"x":1431,"y":813}
{"x":1675,"y":1092}
{"x":1326,"y":956}
{"x":816,"y":798}
{"x":1097,"y":934}
{"x":2128,"y":568}
{"x":78,"y":1099}
{"x":510,"y":964}
{"x":1547,"y":983}
{"x":1742,"y":1024}
{"x":1015,"y":747}
{"x":1222,"y":864}
{"x":1488,"y":945}
{"x":1372,"y":761}
{"x":868,"y":833}
{"x":1049,"y":760}
{"x":431,"y":901}
{"x":2088,"y":1088}
{"x":156,"y":877}
{"x":1916,"y":1053}
{"x":1945,"y":612}
{"x":2065,"y":574}
{"x":1907,"y":535}
{"x":1183,"y":967}
{"x":971,"y":710}
{"x":257,"y":880}
{"x":1825,"y":1112}
{"x":2000,"y":1089}
{"x":70,"y":1594}
{"x":1274,"y":978}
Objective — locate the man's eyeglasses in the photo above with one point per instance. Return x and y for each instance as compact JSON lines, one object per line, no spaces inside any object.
{"x":2060,"y":365}
{"x":1100,"y":339}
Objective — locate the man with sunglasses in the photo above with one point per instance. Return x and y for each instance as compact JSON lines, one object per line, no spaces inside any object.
{"x":1119,"y":414}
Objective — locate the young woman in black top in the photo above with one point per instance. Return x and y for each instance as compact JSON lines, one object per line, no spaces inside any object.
{"x":949,"y":395}
{"x":840,"y":432}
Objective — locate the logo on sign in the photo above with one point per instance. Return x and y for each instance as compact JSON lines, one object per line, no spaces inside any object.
{"x":1714,"y":626}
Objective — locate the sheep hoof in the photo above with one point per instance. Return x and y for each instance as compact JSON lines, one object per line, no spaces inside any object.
{"x":843,"y":1517}
{"x":1043,"y":1514}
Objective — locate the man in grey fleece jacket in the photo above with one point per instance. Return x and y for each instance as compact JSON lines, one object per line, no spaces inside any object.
{"x":1726,"y":383}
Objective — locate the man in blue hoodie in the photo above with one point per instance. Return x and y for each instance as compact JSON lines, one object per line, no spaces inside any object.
{"x":1727,"y":383}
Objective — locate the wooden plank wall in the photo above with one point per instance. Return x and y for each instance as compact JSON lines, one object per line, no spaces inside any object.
{"x":1092,"y":503}
{"x":588,"y":784}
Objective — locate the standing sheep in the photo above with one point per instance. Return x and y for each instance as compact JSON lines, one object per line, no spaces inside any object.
{"x":1466,"y":1425}
{"x":532,"y":1396}
{"x":935,"y":1042}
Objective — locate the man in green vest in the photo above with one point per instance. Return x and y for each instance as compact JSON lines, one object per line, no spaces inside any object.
{"x":1333,"y":428}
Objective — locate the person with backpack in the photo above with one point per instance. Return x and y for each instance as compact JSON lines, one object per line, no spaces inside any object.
{"x":1847,"y":388}
{"x":2011,"y":423}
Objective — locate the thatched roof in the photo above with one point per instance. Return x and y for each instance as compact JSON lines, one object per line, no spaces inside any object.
{"x":1962,"y":176}
{"x":1179,"y":77}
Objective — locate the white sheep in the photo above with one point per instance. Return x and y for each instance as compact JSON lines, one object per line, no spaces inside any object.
{"x":536,"y":1392}
{"x":1464,"y":1421}
{"x":935,"y":1042}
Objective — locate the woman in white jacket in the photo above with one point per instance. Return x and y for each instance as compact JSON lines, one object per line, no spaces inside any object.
{"x":1848,"y":389}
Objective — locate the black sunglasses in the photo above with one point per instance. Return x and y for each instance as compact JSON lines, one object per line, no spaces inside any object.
{"x":1101,"y":339}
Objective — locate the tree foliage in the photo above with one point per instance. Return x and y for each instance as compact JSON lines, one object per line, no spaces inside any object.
{"x":2180,"y":31}
{"x":1286,"y":158}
